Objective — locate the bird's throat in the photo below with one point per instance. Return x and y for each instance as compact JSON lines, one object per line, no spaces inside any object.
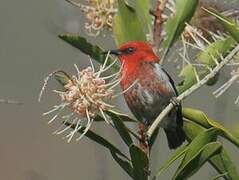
{"x":130,"y":74}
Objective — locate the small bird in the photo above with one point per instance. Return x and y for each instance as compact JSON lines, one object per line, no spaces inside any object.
{"x":149,"y":89}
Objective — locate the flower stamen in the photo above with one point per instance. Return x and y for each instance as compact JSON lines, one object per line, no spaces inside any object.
{"x":85,"y":95}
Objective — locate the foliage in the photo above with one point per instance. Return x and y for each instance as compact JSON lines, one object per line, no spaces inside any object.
{"x":202,"y":132}
{"x":127,"y":25}
{"x":175,"y":26}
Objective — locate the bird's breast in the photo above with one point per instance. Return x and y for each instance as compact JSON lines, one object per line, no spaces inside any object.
{"x":147,"y":92}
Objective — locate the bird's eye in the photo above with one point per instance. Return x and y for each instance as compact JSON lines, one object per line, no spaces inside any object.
{"x":129,"y":50}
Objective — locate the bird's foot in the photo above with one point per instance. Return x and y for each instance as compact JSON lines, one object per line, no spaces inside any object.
{"x":148,"y":171}
{"x":175,"y":101}
{"x":147,"y":138}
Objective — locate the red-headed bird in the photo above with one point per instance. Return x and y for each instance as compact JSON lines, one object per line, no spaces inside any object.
{"x":151,"y":91}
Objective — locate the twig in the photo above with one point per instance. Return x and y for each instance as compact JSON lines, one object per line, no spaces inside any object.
{"x":158,"y":22}
{"x":191,"y":90}
{"x":82,"y":7}
{"x":157,"y":30}
{"x":9,"y":101}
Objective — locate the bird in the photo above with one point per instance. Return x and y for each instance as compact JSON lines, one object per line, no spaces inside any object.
{"x":149,"y":89}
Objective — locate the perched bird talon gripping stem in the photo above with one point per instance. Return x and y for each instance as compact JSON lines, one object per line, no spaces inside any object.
{"x":175,"y":102}
{"x":152,"y":92}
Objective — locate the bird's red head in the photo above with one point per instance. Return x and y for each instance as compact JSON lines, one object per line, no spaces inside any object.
{"x":133,"y":55}
{"x":135,"y":52}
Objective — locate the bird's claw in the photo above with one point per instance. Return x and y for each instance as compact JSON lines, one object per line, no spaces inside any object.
{"x":146,"y":138}
{"x":148,"y":171}
{"x":175,"y":101}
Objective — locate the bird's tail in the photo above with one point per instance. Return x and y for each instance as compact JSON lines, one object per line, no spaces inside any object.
{"x":175,"y":137}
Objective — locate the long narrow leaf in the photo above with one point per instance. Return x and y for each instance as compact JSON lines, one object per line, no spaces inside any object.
{"x":121,"y":128}
{"x":200,"y":118}
{"x":117,"y":155}
{"x":221,"y":161}
{"x":215,"y":51}
{"x":230,"y":25}
{"x":140,"y":163}
{"x":124,"y":164}
{"x":179,"y":153}
{"x":142,"y":8}
{"x":175,"y":26}
{"x":198,"y":142}
{"x":93,"y":51}
{"x":212,"y":53}
{"x":219,"y":176}
{"x":197,"y":161}
{"x":224,"y":165}
{"x":127,"y":26}
{"x":100,"y":140}
{"x":122,"y":116}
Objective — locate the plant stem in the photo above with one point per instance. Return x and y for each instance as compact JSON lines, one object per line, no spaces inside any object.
{"x":9,"y":101}
{"x":191,"y":90}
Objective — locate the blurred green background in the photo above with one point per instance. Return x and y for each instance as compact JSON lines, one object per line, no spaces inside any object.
{"x":29,"y":50}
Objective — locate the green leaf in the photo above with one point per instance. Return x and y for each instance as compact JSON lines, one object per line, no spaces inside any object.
{"x":142,"y":8}
{"x":123,"y":117}
{"x":121,"y":128}
{"x":175,"y":26}
{"x":201,"y":119}
{"x":115,"y":152}
{"x":230,"y":25}
{"x":189,"y":74}
{"x":224,"y":165}
{"x":212,"y":55}
{"x":140,"y":163}
{"x":194,"y":149}
{"x":100,"y":140}
{"x":191,"y":129}
{"x":124,"y":164}
{"x":219,"y":176}
{"x":198,"y":142}
{"x":220,"y":161}
{"x":215,"y":51}
{"x":179,"y":153}
{"x":221,"y":47}
{"x":62,"y":77}
{"x":99,"y":118}
{"x":127,"y":26}
{"x":199,"y":159}
{"x":93,"y":51}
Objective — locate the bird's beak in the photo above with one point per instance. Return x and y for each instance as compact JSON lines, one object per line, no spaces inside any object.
{"x":115,"y":52}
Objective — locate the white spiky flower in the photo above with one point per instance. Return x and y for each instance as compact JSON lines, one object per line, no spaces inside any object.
{"x":85,"y":95}
{"x":99,"y":15}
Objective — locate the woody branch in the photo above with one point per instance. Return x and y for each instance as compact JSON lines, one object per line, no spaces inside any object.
{"x":192,"y":89}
